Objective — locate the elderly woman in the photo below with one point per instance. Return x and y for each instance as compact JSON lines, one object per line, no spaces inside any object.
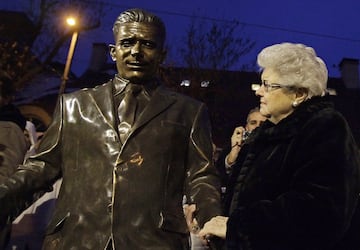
{"x":299,"y":181}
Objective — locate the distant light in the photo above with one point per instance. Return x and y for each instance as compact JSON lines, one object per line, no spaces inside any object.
{"x":71,"y":21}
{"x":205,"y":84}
{"x":255,"y":86}
{"x":185,"y":83}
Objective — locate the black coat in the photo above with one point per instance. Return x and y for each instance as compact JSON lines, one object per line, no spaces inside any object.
{"x":298,"y":184}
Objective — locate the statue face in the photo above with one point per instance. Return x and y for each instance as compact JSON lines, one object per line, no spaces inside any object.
{"x":138,"y":51}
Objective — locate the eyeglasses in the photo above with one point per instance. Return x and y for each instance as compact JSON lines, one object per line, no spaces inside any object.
{"x":268,"y":87}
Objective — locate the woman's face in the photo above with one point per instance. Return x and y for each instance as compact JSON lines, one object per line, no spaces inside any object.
{"x":275,"y":100}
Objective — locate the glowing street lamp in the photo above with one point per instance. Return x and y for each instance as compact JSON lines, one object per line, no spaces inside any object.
{"x":71,"y":22}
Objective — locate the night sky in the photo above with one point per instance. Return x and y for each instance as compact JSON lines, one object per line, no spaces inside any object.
{"x":332,"y":28}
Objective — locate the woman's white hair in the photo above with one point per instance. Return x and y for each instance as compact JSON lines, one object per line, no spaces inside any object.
{"x":297,"y":65}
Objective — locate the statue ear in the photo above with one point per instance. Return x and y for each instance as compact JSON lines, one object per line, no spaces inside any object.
{"x":112,"y":50}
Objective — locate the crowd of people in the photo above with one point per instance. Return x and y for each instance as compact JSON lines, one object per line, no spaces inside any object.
{"x":18,"y":141}
{"x":137,"y":168}
{"x":13,"y":144}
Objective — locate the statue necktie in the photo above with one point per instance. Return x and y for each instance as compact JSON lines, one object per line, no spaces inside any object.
{"x":127,"y":110}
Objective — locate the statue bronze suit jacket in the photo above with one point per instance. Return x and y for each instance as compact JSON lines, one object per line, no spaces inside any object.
{"x":128,"y":196}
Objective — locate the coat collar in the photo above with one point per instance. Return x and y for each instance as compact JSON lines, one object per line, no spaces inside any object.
{"x":102,"y":99}
{"x":161,"y":99}
{"x":290,"y":125}
{"x":120,"y":84}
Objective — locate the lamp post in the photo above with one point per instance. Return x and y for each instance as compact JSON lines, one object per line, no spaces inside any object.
{"x":71,"y":22}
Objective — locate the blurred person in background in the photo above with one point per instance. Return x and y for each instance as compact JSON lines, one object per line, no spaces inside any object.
{"x":28,"y":229}
{"x":13,"y":144}
{"x":299,"y":182}
{"x":32,"y":138}
{"x":228,"y":158}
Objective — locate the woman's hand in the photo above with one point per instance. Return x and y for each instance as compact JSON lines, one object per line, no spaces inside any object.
{"x":216,"y":226}
{"x":236,"y":142}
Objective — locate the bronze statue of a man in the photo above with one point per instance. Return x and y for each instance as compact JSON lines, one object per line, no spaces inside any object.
{"x":123,"y":181}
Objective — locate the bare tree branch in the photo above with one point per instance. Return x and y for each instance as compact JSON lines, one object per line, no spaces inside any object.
{"x":47,"y":37}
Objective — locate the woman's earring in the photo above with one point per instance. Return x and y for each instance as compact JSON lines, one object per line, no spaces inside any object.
{"x":295,"y":104}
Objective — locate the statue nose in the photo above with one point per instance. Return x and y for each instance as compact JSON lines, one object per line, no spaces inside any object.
{"x":136,"y":50}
